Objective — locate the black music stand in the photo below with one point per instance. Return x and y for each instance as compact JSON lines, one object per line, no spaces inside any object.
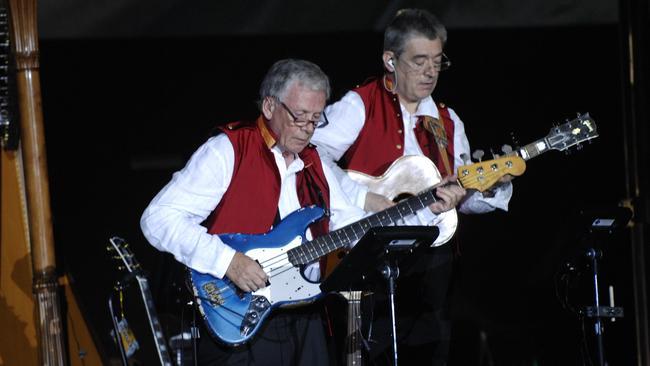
{"x":379,"y":254}
{"x":601,"y":223}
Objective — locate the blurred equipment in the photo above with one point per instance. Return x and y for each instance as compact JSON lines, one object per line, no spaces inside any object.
{"x":127,"y":342}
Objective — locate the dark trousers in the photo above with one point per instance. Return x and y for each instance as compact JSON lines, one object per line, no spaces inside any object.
{"x":287,"y":337}
{"x":422,"y":309}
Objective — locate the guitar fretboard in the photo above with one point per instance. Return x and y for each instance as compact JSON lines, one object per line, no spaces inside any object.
{"x":156,"y":329}
{"x":310,"y":251}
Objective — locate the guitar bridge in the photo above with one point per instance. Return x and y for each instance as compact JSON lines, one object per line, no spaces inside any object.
{"x":256,"y":309}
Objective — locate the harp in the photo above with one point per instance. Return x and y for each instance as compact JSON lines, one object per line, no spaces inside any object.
{"x":40,"y":307}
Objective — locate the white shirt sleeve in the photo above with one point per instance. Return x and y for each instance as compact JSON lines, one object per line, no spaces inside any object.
{"x":474,"y":202}
{"x":342,"y":210}
{"x":172,"y":221}
{"x":346,"y":119}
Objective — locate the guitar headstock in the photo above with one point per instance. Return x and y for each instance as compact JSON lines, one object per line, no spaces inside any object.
{"x":580,"y":129}
{"x":483,"y":175}
{"x":124,"y":254}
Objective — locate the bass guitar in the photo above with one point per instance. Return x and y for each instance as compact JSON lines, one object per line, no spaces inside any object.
{"x":410,"y":174}
{"x":233,"y":316}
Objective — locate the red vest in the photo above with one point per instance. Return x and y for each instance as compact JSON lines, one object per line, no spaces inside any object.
{"x":381,"y":140}
{"x":250,"y":204}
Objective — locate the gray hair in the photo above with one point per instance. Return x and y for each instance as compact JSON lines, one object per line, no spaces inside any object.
{"x":284,"y":72}
{"x":409,"y":23}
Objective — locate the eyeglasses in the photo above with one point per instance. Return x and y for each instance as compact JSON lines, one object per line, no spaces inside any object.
{"x":421,"y":64}
{"x":318,"y":120}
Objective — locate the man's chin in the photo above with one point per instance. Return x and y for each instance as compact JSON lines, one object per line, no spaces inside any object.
{"x":426,"y":90}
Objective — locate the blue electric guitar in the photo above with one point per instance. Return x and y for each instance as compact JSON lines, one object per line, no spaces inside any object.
{"x":233,"y":316}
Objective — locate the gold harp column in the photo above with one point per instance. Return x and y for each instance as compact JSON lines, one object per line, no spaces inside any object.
{"x":25,"y":36}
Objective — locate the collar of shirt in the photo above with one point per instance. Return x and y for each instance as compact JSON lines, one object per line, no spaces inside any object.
{"x":427,"y":107}
{"x":296,"y":165}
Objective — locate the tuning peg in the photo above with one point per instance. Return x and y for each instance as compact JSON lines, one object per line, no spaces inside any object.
{"x":478,"y":155}
{"x":466,"y":160}
{"x":110,"y":249}
{"x":506,"y":149}
{"x":494,"y":155}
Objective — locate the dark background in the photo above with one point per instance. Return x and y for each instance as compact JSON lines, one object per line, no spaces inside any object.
{"x":122,"y":114}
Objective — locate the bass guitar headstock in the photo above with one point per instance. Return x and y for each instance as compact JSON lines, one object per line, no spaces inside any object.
{"x":483,"y":175}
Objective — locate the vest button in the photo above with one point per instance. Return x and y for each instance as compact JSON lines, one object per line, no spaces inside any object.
{"x":399,"y":131}
{"x":398,"y":115}
{"x":398,"y":146}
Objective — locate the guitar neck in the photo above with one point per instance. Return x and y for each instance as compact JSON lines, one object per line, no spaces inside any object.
{"x":52,"y":348}
{"x":156,"y":329}
{"x":559,"y":140}
{"x":353,"y":351}
{"x":534,"y":149}
{"x":309,"y":252}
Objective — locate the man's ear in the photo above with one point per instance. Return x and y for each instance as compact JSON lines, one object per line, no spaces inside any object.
{"x":268,"y":106}
{"x":389,"y":60}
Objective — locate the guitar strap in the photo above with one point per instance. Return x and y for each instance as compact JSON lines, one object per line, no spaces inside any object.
{"x":437,"y":129}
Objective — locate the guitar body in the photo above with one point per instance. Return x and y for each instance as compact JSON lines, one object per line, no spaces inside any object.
{"x":405,"y":177}
{"x":408,"y":176}
{"x":234,"y":316}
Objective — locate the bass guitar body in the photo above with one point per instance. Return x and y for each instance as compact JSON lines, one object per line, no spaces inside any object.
{"x":406,"y":177}
{"x":233,"y":316}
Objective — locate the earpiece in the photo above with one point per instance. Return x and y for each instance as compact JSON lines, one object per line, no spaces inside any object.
{"x":391,"y":63}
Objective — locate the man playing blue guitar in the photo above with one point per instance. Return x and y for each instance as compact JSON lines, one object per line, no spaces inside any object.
{"x":248,"y":179}
{"x":391,"y":117}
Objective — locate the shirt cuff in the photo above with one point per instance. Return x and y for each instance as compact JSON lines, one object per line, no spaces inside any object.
{"x":501,"y":196}
{"x":223,"y":261}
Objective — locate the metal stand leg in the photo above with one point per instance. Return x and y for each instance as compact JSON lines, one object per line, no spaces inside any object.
{"x":391,"y":273}
{"x":594,"y":255}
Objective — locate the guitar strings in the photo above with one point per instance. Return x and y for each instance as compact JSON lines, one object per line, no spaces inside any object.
{"x":273,"y":272}
{"x":284,"y":268}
